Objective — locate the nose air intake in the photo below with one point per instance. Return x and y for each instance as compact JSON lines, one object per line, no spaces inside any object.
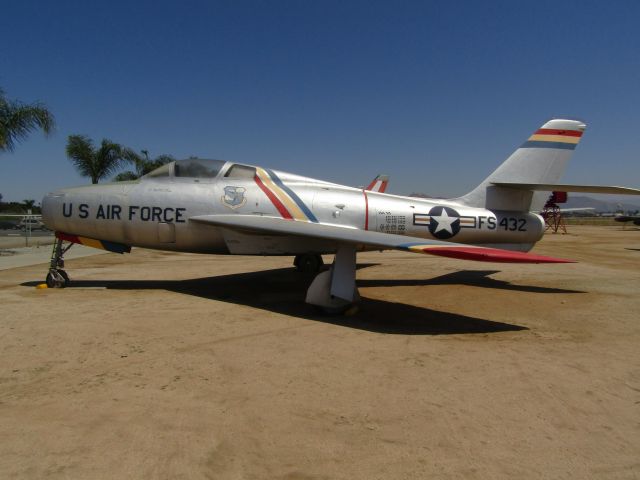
{"x":49,"y":203}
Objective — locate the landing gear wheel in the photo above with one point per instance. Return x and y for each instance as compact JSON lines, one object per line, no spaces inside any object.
{"x":308,"y":263}
{"x":57,"y":279}
{"x":66,"y":278}
{"x":346,"y":310}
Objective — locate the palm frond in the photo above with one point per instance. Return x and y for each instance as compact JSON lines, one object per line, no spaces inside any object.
{"x":109,"y":158}
{"x":18,"y":120}
{"x":80,"y":151}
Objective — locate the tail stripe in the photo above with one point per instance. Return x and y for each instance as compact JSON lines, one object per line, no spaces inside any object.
{"x":553,"y":138}
{"x":547,"y":144}
{"x":553,"y":131}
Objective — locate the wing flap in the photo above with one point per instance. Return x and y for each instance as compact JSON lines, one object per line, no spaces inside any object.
{"x":341,"y":234}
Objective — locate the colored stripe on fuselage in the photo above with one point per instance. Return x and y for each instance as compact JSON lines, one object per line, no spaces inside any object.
{"x":283,"y":198}
{"x":293,"y":196}
{"x":276,"y":203}
{"x":92,"y":242}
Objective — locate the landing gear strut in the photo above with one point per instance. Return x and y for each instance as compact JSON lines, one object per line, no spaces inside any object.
{"x":308,"y":263}
{"x":57,"y":277}
{"x":335,"y":291}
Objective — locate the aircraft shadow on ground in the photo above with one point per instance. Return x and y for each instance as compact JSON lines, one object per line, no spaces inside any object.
{"x":474,"y":278}
{"x":283,"y":291}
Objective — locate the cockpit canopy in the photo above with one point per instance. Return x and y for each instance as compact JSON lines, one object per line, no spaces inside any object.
{"x":189,"y":168}
{"x":199,"y":168}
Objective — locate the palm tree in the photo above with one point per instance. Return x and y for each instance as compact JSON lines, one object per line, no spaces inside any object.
{"x":141,"y":163}
{"x":18,"y":119}
{"x":28,"y":204}
{"x":94,"y":163}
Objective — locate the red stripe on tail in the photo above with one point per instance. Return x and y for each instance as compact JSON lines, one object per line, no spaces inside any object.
{"x":564,"y":133}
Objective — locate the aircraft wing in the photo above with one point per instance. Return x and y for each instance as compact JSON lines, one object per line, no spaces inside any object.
{"x":550,"y":187}
{"x":341,"y":234}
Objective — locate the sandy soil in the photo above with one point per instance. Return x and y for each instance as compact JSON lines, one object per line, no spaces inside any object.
{"x":160,"y":365}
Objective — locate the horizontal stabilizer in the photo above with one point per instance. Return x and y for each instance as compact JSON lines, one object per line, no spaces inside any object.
{"x":553,"y":187}
{"x":339,"y":234}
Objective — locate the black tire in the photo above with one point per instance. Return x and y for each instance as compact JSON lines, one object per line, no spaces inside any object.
{"x":308,"y":263}
{"x":345,"y":310}
{"x":64,"y":275}
{"x":51,"y":282}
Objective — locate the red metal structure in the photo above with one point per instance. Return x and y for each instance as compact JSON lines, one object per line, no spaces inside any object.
{"x":552,"y":214}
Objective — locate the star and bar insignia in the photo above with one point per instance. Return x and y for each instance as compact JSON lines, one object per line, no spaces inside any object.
{"x":443,"y":222}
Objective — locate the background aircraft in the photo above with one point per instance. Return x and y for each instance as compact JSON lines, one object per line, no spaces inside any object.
{"x":213,"y":206}
{"x":628,"y":218}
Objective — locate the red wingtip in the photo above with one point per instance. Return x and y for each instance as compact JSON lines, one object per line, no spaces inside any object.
{"x":482,"y":254}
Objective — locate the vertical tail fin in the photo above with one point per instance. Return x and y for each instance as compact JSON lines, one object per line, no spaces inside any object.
{"x":541,"y":159}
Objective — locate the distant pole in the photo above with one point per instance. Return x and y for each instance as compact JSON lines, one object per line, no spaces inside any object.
{"x":28,"y":229}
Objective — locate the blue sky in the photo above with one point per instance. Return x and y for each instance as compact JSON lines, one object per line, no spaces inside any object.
{"x":436,"y":94}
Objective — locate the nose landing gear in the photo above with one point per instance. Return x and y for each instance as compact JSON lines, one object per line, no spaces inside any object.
{"x":57,"y":277}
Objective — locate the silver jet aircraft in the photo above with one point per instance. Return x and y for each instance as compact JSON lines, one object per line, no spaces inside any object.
{"x":219,"y":207}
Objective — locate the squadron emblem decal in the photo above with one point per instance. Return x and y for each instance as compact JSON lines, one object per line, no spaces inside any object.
{"x":443,"y":222}
{"x":234,"y":197}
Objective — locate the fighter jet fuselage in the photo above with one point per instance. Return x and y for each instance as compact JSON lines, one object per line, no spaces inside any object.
{"x":154,"y":212}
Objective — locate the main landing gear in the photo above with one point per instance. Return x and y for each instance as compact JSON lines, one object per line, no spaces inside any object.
{"x":308,"y":263}
{"x":57,"y":277}
{"x":334,"y":290}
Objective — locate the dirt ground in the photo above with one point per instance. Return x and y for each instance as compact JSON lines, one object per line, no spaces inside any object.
{"x":158,"y":365}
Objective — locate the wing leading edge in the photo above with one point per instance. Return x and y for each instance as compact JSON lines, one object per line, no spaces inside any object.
{"x":340,"y":234}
